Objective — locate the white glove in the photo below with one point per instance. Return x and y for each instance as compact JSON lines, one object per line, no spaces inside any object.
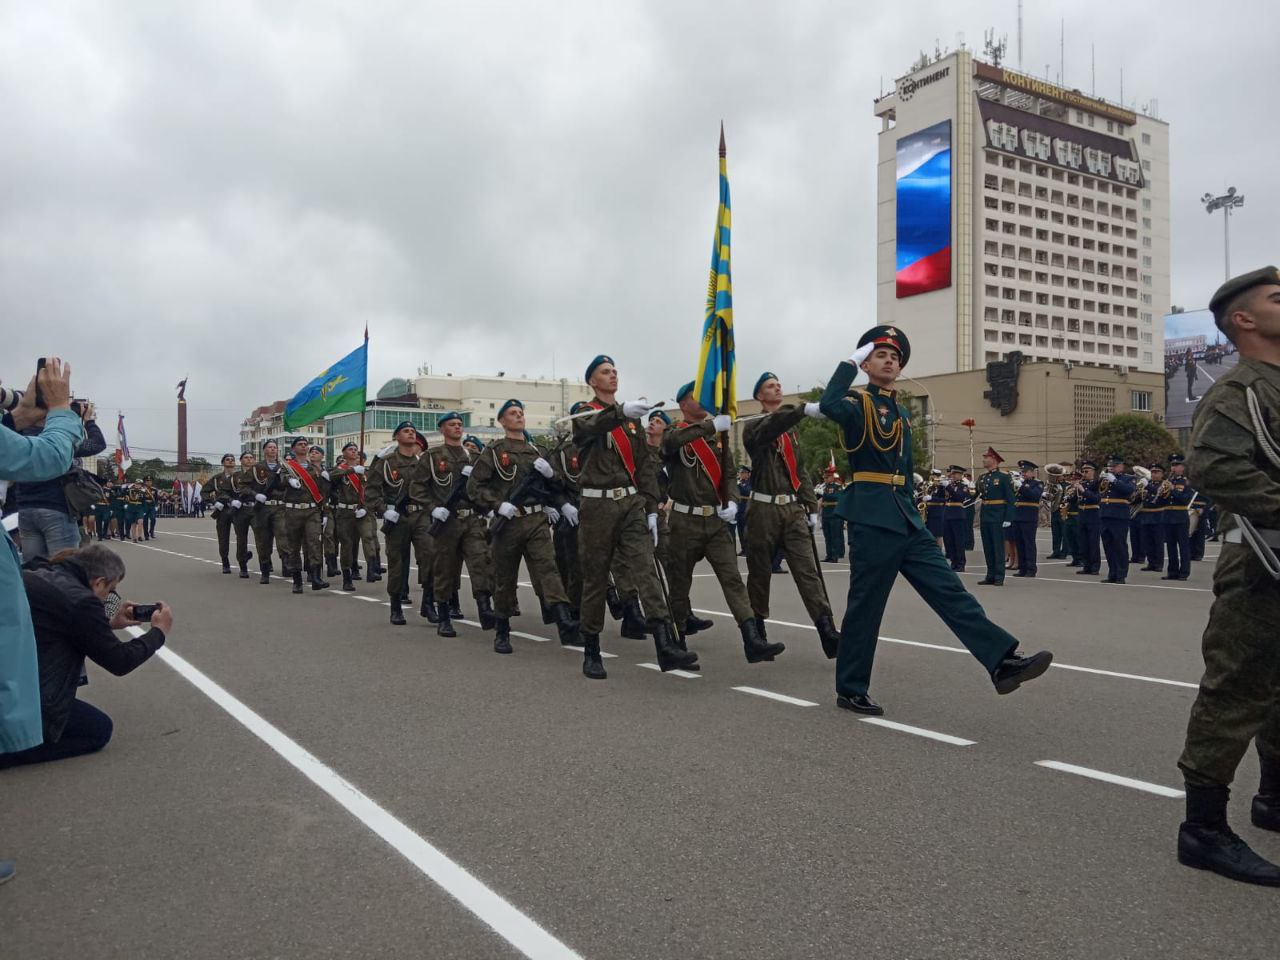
{"x":235,"y":504}
{"x":324,"y":522}
{"x":861,"y":353}
{"x":723,"y":422}
{"x":260,"y":497}
{"x":1109,"y":476}
{"x":466,"y":471}
{"x":728,"y":513}
{"x":390,"y":515}
{"x":653,"y":527}
{"x":358,"y":468}
{"x":507,"y":510}
{"x":440,"y":513}
{"x":812,"y":410}
{"x":325,"y":474}
{"x":813,"y":520}
{"x":295,"y":483}
{"x":570,"y":513}
{"x":360,"y":512}
{"x":634,"y":409}
{"x":543,"y":468}
{"x":217,"y":505}
{"x":553,"y":515}
{"x":1005,"y":524}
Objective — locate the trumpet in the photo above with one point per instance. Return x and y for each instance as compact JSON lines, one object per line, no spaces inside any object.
{"x":1164,"y":489}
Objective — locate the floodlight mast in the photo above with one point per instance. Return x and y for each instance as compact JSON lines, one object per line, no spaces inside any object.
{"x":1226,"y":203}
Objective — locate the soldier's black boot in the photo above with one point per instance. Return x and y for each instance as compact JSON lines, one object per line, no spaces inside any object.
{"x":755,"y":646}
{"x":226,"y":565}
{"x":566,"y":626}
{"x":693,"y":624}
{"x":502,"y":635}
{"x":1206,"y":842}
{"x":828,"y":635}
{"x":445,"y":627}
{"x":397,"y":612}
{"x":428,"y":607}
{"x":297,"y":581}
{"x":484,"y":606}
{"x":264,"y":568}
{"x":316,"y":582}
{"x":547,"y":616}
{"x":372,"y":574}
{"x":1266,"y":805}
{"x":355,"y":570}
{"x":347,"y":585}
{"x":670,"y":656}
{"x":1015,"y":670}
{"x":244,"y":570}
{"x":455,"y":606}
{"x":613,"y":600}
{"x":331,"y":566}
{"x":592,"y":665}
{"x":632,"y":620}
{"x":678,"y":640}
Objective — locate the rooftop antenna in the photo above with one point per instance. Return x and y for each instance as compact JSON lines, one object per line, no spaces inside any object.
{"x":991,"y":49}
{"x":1019,"y":35}
{"x":1122,"y":86}
{"x":1062,"y":50}
{"x":1093,"y":70}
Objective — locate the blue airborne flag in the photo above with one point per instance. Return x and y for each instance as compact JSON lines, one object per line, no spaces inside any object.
{"x":338,"y":389}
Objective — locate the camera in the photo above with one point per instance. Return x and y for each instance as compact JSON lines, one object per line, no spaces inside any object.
{"x":78,"y":407}
{"x":144,"y":611}
{"x":9,"y":398}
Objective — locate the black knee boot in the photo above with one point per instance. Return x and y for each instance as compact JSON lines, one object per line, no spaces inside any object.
{"x":297,"y":581}
{"x":445,"y":626}
{"x":264,"y":569}
{"x":1266,"y":805}
{"x":566,"y":626}
{"x":1206,"y":842}
{"x":428,"y":607}
{"x":670,"y":656}
{"x":397,"y":612}
{"x":592,"y":665}
{"x":316,"y":582}
{"x":455,"y":606}
{"x":484,"y":605}
{"x":502,"y":635}
{"x":754,"y":644}
{"x":331,"y":563}
{"x":632,"y":620}
{"x":346,"y":580}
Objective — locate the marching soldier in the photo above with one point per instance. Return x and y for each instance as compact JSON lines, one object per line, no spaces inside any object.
{"x":619,"y":519}
{"x":1177,"y":520}
{"x":564,"y":535}
{"x":888,"y":536}
{"x":119,"y":498}
{"x":329,"y":525}
{"x":832,"y":525}
{"x":509,"y":480}
{"x":995,"y":489}
{"x":1235,"y":459}
{"x":349,"y":511}
{"x":1154,"y":500}
{"x":957,"y":492}
{"x":1026,"y":520}
{"x":700,"y":520}
{"x":1090,"y":526}
{"x":302,"y":496}
{"x":102,"y":511}
{"x":242,"y":512}
{"x":149,"y":498}
{"x":461,"y":534}
{"x":1116,"y":489}
{"x":265,"y":482}
{"x":220,"y":491}
{"x":394,"y":491}
{"x":784,"y":510}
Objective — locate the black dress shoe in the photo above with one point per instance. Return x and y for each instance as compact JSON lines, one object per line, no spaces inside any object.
{"x":1219,"y":850}
{"x":987,"y":582}
{"x":1014,"y":670}
{"x":1153,"y":568}
{"x":1085,"y":573}
{"x":1170,"y":576}
{"x":1021,"y":574}
{"x":1265,"y":812}
{"x":859,"y":703}
{"x":1110,"y":580}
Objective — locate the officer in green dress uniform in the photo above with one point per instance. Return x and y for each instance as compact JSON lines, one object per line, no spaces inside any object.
{"x":149,"y":499}
{"x":119,"y":498}
{"x":832,"y":525}
{"x":242,"y":513}
{"x":1235,"y":459}
{"x":888,"y":535}
{"x":995,"y":489}
{"x":102,"y":511}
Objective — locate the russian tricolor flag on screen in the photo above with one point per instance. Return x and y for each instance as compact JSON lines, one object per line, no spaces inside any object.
{"x":924,"y":210}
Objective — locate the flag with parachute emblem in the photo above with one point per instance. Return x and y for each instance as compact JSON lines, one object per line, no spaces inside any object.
{"x":337,"y":389}
{"x":716,"y":380}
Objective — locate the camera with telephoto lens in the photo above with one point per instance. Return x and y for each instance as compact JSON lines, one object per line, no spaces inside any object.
{"x":9,"y":398}
{"x":144,"y":611}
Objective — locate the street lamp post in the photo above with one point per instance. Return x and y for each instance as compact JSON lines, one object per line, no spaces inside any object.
{"x":1226,"y":203}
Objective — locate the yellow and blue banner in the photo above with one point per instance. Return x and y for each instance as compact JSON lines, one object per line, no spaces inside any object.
{"x":715,"y":384}
{"x":339,"y":388}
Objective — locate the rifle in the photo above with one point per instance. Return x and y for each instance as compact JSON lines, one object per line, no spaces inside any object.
{"x":398,"y":507}
{"x":456,"y":496}
{"x":531,"y":488}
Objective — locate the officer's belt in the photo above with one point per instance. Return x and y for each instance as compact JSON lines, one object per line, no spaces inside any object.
{"x":869,"y":476}
{"x":1270,"y":537}
{"x":529,"y":511}
{"x":463,"y":513}
{"x":1088,"y":506}
{"x":1176,"y":507}
{"x":300,"y":506}
{"x":992,"y":502}
{"x":1115,"y":500}
{"x":960,"y":506}
{"x":274,"y":503}
{"x":414,"y":507}
{"x":780,"y":499}
{"x":613,"y":493}
{"x":695,"y":511}
{"x":347,"y":506}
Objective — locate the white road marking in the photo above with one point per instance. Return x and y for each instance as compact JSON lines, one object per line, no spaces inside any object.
{"x":1142,"y":785}
{"x":1098,"y":583}
{"x":603,"y":654}
{"x":780,"y":697}
{"x":518,"y":929}
{"x":918,"y":731}
{"x":675,"y":673}
{"x":1128,"y":676}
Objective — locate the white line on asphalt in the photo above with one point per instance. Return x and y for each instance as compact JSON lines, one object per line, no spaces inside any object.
{"x":603,"y":654}
{"x":519,"y":930}
{"x":780,"y":697}
{"x":190,"y":536}
{"x":1155,"y":788}
{"x":918,"y":731}
{"x":1099,"y":583}
{"x":1129,"y":676}
{"x":675,"y":673}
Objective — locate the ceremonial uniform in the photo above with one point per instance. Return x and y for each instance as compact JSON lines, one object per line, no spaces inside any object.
{"x":833,"y":534}
{"x":564,"y":535}
{"x":1070,"y":511}
{"x":935,"y":509}
{"x":1151,"y":517}
{"x":306,"y":489}
{"x":889,"y":538}
{"x":394,"y":482}
{"x":1200,"y":523}
{"x":954,"y":520}
{"x":264,"y":482}
{"x":102,"y":513}
{"x":1057,"y":487}
{"x":1116,"y":497}
{"x":119,"y":498}
{"x":1026,"y":520}
{"x":1090,"y":528}
{"x":1177,"y":524}
{"x":350,"y":515}
{"x":995,"y":489}
{"x":222,"y":492}
{"x":148,"y":496}
{"x":461,"y":537}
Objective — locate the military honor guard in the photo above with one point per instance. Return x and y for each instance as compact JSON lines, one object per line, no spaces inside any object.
{"x":700,"y":516}
{"x":1089,"y":530}
{"x":511,"y":479}
{"x":394,"y":492}
{"x":1026,"y":520}
{"x":1177,"y":519}
{"x":832,"y":526}
{"x":888,"y":536}
{"x":265,"y":483}
{"x":1155,"y":498}
{"x":784,"y":510}
{"x":619,"y":517}
{"x":349,"y":510}
{"x":1235,"y":460}
{"x":302,"y":496}
{"x":995,"y":488}
{"x":955,"y":517}
{"x":1116,"y":490}
{"x":150,"y":498}
{"x":224,"y":494}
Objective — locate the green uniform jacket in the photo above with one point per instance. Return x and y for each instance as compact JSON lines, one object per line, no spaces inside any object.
{"x":769,"y":472}
{"x":444,"y":465}
{"x":873,"y":504}
{"x":688,"y":480}
{"x":996,"y":485}
{"x":221,"y":487}
{"x":602,"y":465}
{"x":1225,"y":462}
{"x":344,"y":488}
{"x":385,"y":481}
{"x":497,"y":470}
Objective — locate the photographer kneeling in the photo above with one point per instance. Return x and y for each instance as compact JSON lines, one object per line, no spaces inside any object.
{"x":67,"y":595}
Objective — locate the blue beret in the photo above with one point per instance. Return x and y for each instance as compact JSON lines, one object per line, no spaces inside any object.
{"x":401,"y":425}
{"x":580,"y":406}
{"x":472,"y":438}
{"x":660,"y":414}
{"x":760,"y":383}
{"x":684,"y":391}
{"x":228,"y":456}
{"x":349,"y":446}
{"x":591,"y":367}
{"x":267,"y":442}
{"x":446,"y":417}
{"x":315,"y":446}
{"x":297,"y":440}
{"x":508,"y":405}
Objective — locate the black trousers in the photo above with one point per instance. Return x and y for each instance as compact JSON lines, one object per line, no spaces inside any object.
{"x":1115,"y":543}
{"x":1178,"y":540}
{"x":88,"y":730}
{"x":1153,"y":536}
{"x":1026,"y":540}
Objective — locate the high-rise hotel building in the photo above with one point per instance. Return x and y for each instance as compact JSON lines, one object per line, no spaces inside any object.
{"x":1017,"y":215}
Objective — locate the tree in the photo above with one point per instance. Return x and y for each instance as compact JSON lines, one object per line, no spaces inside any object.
{"x":1135,"y":437}
{"x":819,"y":439}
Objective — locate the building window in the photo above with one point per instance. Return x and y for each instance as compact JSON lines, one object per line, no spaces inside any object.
{"x":1092,"y":406}
{"x":1141,"y":400}
{"x":1146,"y":138}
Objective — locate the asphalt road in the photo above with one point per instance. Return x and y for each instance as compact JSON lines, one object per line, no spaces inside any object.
{"x":383,"y":792}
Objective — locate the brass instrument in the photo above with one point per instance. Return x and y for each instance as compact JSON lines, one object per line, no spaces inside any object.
{"x":1103,"y":486}
{"x":1164,"y":489}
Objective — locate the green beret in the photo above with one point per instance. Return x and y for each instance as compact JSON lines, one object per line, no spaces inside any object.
{"x":684,"y":391}
{"x":591,"y":367}
{"x":887,"y":336}
{"x":1219,"y":302}
{"x":755,"y":391}
{"x":508,"y":405}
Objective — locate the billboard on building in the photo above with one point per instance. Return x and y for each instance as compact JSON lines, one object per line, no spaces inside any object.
{"x":1196,"y":356}
{"x":924,"y":210}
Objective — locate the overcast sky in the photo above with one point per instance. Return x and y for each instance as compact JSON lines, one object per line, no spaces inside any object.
{"x":231,"y":190}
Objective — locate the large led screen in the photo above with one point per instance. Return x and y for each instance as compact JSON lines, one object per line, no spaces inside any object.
{"x":924,"y":210}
